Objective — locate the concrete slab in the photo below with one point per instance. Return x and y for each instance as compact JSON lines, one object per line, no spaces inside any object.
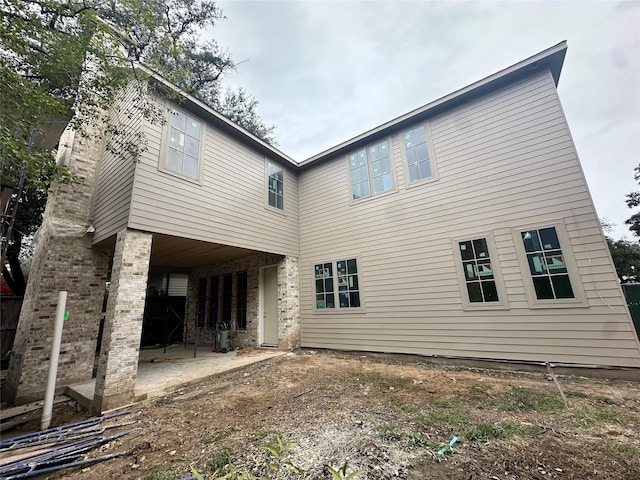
{"x":161,"y":372}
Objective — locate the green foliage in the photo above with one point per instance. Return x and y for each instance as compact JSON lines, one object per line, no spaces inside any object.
{"x":278,"y":448}
{"x":169,"y":473}
{"x":412,"y":439}
{"x":196,"y":474}
{"x":626,"y":257}
{"x":66,"y":62}
{"x":46,"y":48}
{"x":456,"y":420}
{"x":75,"y":56}
{"x":589,"y":416}
{"x":468,"y":428}
{"x":489,"y":431}
{"x":239,"y":107}
{"x":221,"y":460}
{"x":28,"y":218}
{"x":627,"y":449}
{"x":574,"y":394}
{"x":389,"y":432}
{"x":402,"y":406}
{"x":220,"y":467}
{"x":520,"y":399}
{"x":340,"y":473}
{"x":633,"y":200}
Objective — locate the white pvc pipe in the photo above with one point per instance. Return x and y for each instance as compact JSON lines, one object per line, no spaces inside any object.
{"x":50,"y":391}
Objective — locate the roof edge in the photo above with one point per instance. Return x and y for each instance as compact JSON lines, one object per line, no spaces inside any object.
{"x":223,"y":121}
{"x":551,"y":58}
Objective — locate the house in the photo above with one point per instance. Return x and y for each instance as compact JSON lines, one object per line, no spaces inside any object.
{"x":463,"y":229}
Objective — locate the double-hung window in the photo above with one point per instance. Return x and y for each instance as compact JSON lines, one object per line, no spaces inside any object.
{"x":370,"y":170}
{"x":337,"y":278}
{"x":479,"y":273}
{"x":548,"y":268}
{"x":547,"y":264}
{"x":183,"y":146}
{"x":417,"y":152}
{"x":275,"y":185}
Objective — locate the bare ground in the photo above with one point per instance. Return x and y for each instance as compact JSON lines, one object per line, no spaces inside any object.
{"x":388,"y":419}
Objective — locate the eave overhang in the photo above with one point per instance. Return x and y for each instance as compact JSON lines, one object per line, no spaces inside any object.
{"x":202,"y":110}
{"x":550,"y":59}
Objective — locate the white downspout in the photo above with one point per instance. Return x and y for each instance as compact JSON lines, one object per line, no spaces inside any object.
{"x":53,"y":362}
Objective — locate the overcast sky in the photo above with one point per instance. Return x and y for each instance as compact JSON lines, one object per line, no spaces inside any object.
{"x":325,"y":71}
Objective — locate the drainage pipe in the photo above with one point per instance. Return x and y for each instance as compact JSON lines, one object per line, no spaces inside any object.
{"x":50,"y":391}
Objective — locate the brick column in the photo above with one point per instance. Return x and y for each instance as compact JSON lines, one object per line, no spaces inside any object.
{"x":288,"y":304}
{"x":118,"y":365}
{"x":63,"y":260}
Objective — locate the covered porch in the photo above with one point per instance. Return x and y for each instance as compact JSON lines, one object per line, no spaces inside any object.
{"x":162,"y":371}
{"x":251,"y":295}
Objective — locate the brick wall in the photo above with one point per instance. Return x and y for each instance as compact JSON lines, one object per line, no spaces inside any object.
{"x":63,"y":260}
{"x":288,"y":300}
{"x":288,"y":304}
{"x":118,"y":365}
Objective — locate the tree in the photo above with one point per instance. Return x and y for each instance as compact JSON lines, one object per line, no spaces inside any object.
{"x":29,"y":217}
{"x":626,"y":258}
{"x":633,"y":200}
{"x":240,"y":108}
{"x":65,"y":61}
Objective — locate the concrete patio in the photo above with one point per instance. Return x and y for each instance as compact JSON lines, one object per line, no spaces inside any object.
{"x":161,"y":372}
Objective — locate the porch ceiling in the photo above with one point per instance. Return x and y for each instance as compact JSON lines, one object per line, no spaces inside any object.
{"x":176,"y":253}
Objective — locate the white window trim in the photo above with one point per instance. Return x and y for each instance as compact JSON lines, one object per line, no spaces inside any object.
{"x":572,"y":269}
{"x":164,"y":148}
{"x":285,"y":181}
{"x":337,"y":310}
{"x":392,"y":165}
{"x":432,"y":157}
{"x":503,"y":301}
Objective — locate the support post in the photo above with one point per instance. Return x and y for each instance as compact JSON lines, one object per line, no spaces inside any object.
{"x":50,"y":391}
{"x":118,"y":364}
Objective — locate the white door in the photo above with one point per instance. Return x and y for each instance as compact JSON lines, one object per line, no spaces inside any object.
{"x":270,"y":306}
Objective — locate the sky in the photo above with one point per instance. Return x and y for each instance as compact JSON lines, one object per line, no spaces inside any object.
{"x":326,"y":71}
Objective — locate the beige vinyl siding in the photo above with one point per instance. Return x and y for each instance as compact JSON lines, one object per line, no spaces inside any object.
{"x":113,"y":193}
{"x":505,"y":161}
{"x":227,"y":205}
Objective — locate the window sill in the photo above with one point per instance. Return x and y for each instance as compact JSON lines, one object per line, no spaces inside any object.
{"x":470,"y":307}
{"x":195,"y":181}
{"x":269,"y":208}
{"x":358,"y":201}
{"x":417,"y":183}
{"x":542,"y":304}
{"x":339,"y":311}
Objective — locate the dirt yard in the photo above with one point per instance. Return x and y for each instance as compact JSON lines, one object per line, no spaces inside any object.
{"x":387,"y":419}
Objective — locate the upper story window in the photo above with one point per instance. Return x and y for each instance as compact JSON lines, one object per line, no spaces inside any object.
{"x":417,"y":153}
{"x":547,"y":264}
{"x":183,"y":148}
{"x":275,"y":185}
{"x":370,"y":171}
